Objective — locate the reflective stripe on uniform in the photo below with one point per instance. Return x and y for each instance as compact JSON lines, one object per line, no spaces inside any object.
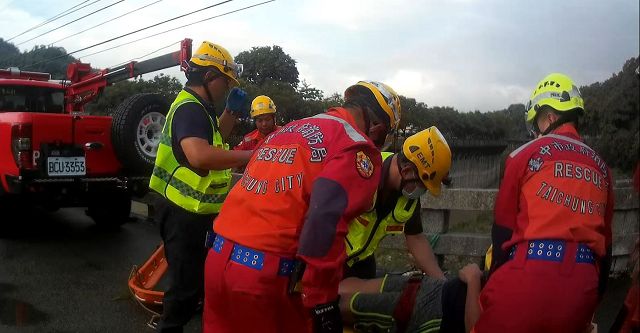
{"x":187,"y":190}
{"x":365,"y":233}
{"x":181,"y":185}
{"x":351,"y":132}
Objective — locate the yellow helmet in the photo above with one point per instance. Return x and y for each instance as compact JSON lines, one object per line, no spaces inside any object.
{"x":429,"y":152}
{"x":386,"y":97}
{"x":488,"y":258}
{"x":262,"y":105}
{"x":556,"y":91}
{"x":214,"y":55}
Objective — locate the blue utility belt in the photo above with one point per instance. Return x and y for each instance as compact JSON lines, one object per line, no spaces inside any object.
{"x":249,"y":257}
{"x":553,"y":250}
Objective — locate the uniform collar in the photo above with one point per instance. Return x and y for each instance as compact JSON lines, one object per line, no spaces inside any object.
{"x":342,"y":113}
{"x":208,"y":106}
{"x":569,"y":130}
{"x":256,"y":135}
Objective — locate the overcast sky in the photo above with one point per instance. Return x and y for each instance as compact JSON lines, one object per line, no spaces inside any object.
{"x":469,"y":54}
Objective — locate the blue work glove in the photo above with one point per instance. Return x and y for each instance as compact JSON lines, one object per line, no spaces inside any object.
{"x":237,"y":103}
{"x":327,"y":318}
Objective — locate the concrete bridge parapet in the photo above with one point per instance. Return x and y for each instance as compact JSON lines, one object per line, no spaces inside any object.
{"x":436,"y":214}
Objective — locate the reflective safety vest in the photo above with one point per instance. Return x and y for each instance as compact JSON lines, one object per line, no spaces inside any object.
{"x":366,"y":231}
{"x":181,"y":185}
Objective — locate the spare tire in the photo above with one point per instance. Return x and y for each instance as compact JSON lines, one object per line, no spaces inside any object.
{"x":136,"y":132}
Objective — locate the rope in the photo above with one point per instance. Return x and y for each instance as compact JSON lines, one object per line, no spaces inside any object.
{"x":107,"y":21}
{"x":73,"y":21}
{"x":55,"y":17}
{"x":131,"y":33}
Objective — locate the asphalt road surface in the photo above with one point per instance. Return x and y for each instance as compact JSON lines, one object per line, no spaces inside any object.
{"x":60,"y":273}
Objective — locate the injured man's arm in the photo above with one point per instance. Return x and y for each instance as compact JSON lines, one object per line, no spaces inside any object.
{"x":421,"y":303}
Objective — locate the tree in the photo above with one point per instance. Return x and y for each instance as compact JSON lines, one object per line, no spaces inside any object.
{"x":7,"y":51}
{"x":113,"y":95}
{"x":266,"y":63}
{"x":309,"y":93}
{"x":47,"y":59}
{"x":611,"y":124}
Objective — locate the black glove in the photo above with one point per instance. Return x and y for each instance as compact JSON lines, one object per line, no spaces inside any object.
{"x":327,"y":318}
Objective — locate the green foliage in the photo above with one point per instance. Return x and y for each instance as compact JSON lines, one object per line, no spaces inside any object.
{"x":270,"y":71}
{"x":611,"y":124}
{"x":333,"y":100}
{"x":291,"y":104}
{"x":309,"y":93}
{"x":505,"y":124}
{"x":47,"y":59}
{"x":112,"y":96}
{"x":7,"y":50}
{"x":266,"y":63}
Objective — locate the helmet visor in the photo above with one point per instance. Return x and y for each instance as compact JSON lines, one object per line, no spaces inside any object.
{"x":560,"y":96}
{"x":532,"y":126}
{"x":232,"y":67}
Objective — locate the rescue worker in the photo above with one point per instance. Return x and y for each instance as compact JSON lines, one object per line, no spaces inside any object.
{"x":398,"y":303}
{"x":278,"y":255}
{"x":552,"y":223}
{"x":192,"y":176}
{"x":421,"y":166}
{"x":263,"y":112}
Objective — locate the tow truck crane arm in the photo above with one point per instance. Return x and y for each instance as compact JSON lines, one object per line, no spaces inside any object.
{"x":86,"y":85}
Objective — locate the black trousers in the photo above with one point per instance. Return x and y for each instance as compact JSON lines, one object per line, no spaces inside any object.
{"x":184,"y":236}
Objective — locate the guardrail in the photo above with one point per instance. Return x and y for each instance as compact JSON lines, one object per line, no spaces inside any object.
{"x":436,"y":214}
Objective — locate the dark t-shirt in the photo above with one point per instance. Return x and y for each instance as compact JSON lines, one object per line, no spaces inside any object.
{"x":191,"y":120}
{"x":385,"y":206}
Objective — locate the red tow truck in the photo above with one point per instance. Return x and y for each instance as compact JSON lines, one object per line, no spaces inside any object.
{"x":54,"y":155}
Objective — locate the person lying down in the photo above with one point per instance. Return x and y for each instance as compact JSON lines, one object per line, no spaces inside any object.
{"x":419,"y":303}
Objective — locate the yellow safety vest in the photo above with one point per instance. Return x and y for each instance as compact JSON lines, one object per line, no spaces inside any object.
{"x":181,"y":185}
{"x":366,"y":231}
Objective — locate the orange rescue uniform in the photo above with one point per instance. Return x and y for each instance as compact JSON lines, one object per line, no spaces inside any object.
{"x":551,"y":238}
{"x":252,"y":140}
{"x":293,"y":202}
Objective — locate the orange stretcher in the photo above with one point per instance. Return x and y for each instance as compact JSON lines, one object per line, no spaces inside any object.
{"x":144,"y":279}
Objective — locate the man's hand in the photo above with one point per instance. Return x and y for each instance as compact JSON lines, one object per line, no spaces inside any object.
{"x":237,"y":103}
{"x":470,"y":273}
{"x":327,"y":318}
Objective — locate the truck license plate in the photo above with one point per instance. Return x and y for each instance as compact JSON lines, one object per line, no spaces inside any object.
{"x":66,"y":166}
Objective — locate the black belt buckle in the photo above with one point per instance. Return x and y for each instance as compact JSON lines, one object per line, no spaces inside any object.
{"x":211,"y":237}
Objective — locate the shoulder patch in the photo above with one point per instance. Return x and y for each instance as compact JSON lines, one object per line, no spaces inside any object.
{"x":364,"y":165}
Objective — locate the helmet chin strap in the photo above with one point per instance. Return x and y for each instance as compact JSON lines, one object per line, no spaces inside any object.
{"x":417,"y":192}
{"x":366,"y":118}
{"x":205,"y":84}
{"x":368,"y":115}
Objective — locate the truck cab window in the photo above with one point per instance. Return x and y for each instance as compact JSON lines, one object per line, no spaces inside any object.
{"x":31,"y":99}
